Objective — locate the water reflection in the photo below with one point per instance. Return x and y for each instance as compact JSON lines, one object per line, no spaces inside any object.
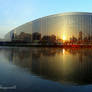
{"x":66,"y":66}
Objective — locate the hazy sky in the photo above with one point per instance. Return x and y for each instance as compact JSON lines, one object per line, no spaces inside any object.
{"x":17,"y":12}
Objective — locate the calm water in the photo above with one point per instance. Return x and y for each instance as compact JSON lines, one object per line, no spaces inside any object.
{"x":45,"y":70}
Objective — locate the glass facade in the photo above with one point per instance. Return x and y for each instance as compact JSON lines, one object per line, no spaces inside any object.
{"x":69,"y":27}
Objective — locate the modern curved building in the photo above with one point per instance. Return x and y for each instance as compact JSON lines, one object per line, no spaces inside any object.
{"x":73,"y":27}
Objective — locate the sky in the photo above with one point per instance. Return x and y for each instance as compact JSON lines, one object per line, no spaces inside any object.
{"x":14,"y":13}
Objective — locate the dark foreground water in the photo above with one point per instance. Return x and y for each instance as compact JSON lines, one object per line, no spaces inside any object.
{"x":45,"y":70}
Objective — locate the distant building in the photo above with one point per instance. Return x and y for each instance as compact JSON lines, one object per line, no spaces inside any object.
{"x":36,"y":36}
{"x":45,"y":39}
{"x":53,"y":38}
{"x":12,"y":36}
{"x":59,"y":42}
{"x":80,"y":36}
{"x":23,"y":37}
{"x":73,"y":39}
{"x":45,"y":29}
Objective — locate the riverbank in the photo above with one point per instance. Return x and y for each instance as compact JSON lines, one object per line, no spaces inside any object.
{"x":26,"y":44}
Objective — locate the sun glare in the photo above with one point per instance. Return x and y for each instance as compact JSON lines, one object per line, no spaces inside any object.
{"x":64,"y":37}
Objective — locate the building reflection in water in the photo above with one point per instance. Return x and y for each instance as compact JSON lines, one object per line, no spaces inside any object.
{"x":73,"y":66}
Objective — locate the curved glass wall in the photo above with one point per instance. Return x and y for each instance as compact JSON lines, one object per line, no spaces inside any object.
{"x":69,"y":28}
